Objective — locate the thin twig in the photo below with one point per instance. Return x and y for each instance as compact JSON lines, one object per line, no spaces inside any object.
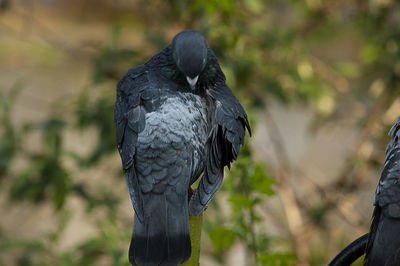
{"x":286,"y":193}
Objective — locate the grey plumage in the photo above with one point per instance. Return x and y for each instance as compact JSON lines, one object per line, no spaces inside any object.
{"x":383,"y":246}
{"x":175,"y":118}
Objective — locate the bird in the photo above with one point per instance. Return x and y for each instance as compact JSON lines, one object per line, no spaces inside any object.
{"x":383,"y":245}
{"x":176,"y":121}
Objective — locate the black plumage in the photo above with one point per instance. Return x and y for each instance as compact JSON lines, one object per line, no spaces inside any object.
{"x":175,"y":119}
{"x":383,"y":246}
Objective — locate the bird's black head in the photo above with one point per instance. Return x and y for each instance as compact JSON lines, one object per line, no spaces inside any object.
{"x":189,"y":51}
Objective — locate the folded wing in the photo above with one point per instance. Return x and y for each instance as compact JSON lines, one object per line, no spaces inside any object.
{"x":129,"y":119}
{"x":223,"y":145}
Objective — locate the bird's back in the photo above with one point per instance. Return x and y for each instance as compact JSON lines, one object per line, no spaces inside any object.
{"x":175,"y":119}
{"x":168,"y":157}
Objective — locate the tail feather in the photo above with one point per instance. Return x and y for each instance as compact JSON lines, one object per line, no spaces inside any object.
{"x":163,"y":238}
{"x":179,"y":246}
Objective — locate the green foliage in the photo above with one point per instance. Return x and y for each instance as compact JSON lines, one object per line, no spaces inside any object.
{"x":45,"y":175}
{"x":105,"y":198}
{"x":8,"y":134}
{"x":111,"y":61}
{"x":96,"y":112}
{"x":277,"y":259}
{"x":106,"y":246}
{"x":107,"y":243}
{"x":248,"y":186}
{"x":222,"y":238}
{"x":318,"y":212}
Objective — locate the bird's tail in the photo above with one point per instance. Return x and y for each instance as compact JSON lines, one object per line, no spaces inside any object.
{"x":163,"y":238}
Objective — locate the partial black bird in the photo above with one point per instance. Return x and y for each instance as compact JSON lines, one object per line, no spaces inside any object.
{"x":175,"y":119}
{"x":383,"y":246}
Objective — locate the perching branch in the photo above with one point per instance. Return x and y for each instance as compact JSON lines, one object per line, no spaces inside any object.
{"x":196,"y":223}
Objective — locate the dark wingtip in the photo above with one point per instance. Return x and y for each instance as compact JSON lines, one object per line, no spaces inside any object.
{"x":195,"y":207}
{"x":176,"y":250}
{"x":248,"y":128}
{"x":247,"y":124}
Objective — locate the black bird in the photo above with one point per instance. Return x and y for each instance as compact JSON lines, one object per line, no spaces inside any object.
{"x":175,"y":119}
{"x":383,"y":246}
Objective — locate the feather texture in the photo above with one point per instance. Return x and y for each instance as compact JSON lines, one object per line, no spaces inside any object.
{"x":226,"y":137}
{"x":383,"y":244}
{"x":168,"y":133}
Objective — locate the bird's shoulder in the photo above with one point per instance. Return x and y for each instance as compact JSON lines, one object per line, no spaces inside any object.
{"x":134,"y":81}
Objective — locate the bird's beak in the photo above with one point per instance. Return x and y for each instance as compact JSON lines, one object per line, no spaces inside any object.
{"x":192,"y":81}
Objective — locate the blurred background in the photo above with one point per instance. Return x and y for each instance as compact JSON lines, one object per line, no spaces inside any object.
{"x":319,"y":80}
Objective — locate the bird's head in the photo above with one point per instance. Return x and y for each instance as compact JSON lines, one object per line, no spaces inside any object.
{"x":189,"y":51}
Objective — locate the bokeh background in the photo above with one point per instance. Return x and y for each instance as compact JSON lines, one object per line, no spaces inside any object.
{"x":319,"y":79}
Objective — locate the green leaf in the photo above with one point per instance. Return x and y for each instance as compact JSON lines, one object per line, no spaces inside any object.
{"x":222,"y":238}
{"x":240,"y":201}
{"x":370,"y":53}
{"x":32,"y":245}
{"x":61,"y":187}
{"x":276,"y":258}
{"x":318,"y":212}
{"x":260,"y":181}
{"x":348,"y":69}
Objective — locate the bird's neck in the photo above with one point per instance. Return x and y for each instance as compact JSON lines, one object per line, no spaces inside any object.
{"x":164,"y":60}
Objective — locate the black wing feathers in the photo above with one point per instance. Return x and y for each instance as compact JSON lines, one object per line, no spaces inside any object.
{"x":226,"y":137}
{"x":129,"y":119}
{"x":384,"y":236}
{"x":232,"y":122}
